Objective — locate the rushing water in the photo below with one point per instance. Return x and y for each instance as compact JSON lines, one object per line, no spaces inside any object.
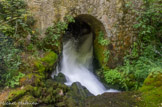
{"x":77,"y":66}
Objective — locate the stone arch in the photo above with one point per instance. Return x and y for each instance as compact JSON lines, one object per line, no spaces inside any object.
{"x":96,"y":27}
{"x":95,"y":24}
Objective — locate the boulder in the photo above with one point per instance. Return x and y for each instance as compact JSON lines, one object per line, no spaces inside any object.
{"x":60,"y":78}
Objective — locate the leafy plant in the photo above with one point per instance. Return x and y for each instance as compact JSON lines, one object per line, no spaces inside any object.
{"x":101,"y":40}
{"x":10,"y":61}
{"x":149,"y":22}
{"x":15,"y":24}
{"x":53,"y":33}
{"x":106,"y":55}
{"x":15,"y":20}
{"x":134,"y":71}
{"x":104,"y":42}
{"x":114,"y":77}
{"x":145,"y":56}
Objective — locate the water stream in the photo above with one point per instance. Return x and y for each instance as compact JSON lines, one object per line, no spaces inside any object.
{"x":77,"y":65}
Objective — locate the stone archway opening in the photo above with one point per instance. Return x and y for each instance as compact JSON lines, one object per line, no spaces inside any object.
{"x":85,"y":24}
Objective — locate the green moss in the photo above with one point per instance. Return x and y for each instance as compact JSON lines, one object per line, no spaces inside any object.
{"x":61,"y":104}
{"x":151,"y":90}
{"x":49,"y":59}
{"x":122,"y":99}
{"x":15,"y":95}
{"x":29,"y":100}
{"x":39,"y":66}
{"x":28,"y":88}
{"x":36,"y":88}
{"x":99,"y":52}
{"x":50,"y":90}
{"x":51,"y":83}
{"x":33,"y":79}
{"x":37,"y":91}
{"x":47,"y":99}
{"x":46,"y":63}
{"x":60,"y":78}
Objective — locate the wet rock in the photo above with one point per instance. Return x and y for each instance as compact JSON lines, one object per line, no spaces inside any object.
{"x":122,"y":99}
{"x":60,"y":78}
{"x":80,"y":90}
{"x":77,"y":95}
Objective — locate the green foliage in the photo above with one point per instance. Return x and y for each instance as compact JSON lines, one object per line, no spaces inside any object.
{"x":101,"y":40}
{"x":46,"y":63}
{"x":10,"y":61}
{"x":145,"y":56}
{"x":53,"y":33}
{"x":151,"y":89}
{"x":50,"y":59}
{"x":104,"y":42}
{"x":113,"y":77}
{"x":15,"y":94}
{"x":149,"y":21}
{"x":15,"y":20}
{"x":15,"y":24}
{"x":106,"y":55}
{"x":135,"y":69}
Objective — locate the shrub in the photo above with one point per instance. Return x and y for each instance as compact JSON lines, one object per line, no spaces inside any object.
{"x":114,"y":77}
{"x":15,"y":24}
{"x":145,"y":56}
{"x":9,"y":64}
{"x":132,"y":74}
{"x":15,"y":21}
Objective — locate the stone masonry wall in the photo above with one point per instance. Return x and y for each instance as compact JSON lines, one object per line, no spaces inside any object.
{"x":116,"y":16}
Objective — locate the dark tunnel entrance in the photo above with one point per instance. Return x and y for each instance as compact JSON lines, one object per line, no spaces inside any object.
{"x":84,"y":25}
{"x":77,"y":29}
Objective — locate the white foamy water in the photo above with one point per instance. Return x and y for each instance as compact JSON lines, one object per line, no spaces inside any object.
{"x":77,"y":66}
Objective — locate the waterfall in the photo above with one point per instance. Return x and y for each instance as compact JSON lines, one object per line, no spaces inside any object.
{"x":77,"y":66}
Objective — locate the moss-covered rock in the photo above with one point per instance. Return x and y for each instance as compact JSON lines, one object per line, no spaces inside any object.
{"x":77,"y":95}
{"x":45,"y":63}
{"x":27,"y":101}
{"x":98,"y":51}
{"x":52,"y":93}
{"x":16,"y":94}
{"x":49,"y":60}
{"x":37,"y":91}
{"x":60,"y":78}
{"x":35,"y":87}
{"x":32,"y":79}
{"x":122,"y":99}
{"x":151,"y":90}
{"x":40,"y":68}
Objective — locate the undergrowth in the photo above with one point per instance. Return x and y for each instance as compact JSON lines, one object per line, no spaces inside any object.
{"x":15,"y":25}
{"x":146,"y":52}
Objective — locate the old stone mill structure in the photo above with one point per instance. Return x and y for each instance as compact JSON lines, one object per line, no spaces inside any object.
{"x":114,"y":17}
